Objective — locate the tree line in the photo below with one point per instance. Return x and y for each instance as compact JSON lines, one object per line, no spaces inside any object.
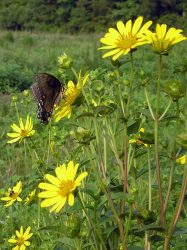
{"x":86,"y":15}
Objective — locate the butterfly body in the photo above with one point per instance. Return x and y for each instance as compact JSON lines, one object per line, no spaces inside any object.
{"x":47,"y":91}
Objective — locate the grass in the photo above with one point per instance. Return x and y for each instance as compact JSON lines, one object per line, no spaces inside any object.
{"x":95,"y":137}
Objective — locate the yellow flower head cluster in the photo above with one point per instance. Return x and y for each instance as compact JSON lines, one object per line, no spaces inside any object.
{"x":60,"y":188}
{"x":22,"y":131}
{"x":13,"y":194}
{"x":162,"y":39}
{"x":21,"y":239}
{"x":126,"y":37}
{"x":72,"y":93}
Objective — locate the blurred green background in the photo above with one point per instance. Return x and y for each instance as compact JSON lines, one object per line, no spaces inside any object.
{"x":34,"y":33}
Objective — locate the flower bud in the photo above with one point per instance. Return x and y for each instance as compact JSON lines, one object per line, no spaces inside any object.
{"x":175,"y":89}
{"x":182,"y":140}
{"x":73,"y":225}
{"x":14,"y":98}
{"x":26,"y":92}
{"x":65,"y":61}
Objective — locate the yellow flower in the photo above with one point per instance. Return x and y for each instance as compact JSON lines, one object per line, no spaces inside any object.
{"x":72,"y":93}
{"x":13,"y":194}
{"x":181,"y":160}
{"x":22,"y":131}
{"x":61,"y":188}
{"x":30,"y":197}
{"x":137,"y":140}
{"x":21,"y":239}
{"x":127,"y":37}
{"x":162,"y":40}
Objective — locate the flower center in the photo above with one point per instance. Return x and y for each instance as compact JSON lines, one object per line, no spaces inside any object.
{"x":20,"y":241}
{"x":13,"y":195}
{"x":66,"y":187}
{"x":126,"y":41}
{"x":24,"y":133}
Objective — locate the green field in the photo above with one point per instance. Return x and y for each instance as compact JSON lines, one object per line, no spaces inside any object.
{"x":110,"y":211}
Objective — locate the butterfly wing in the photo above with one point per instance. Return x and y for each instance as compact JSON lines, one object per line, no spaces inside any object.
{"x":47,"y":91}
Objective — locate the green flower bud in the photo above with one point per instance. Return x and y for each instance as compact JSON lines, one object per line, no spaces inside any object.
{"x":14,"y":98}
{"x":126,"y":82}
{"x":82,"y":135}
{"x":73,"y":225}
{"x":65,"y":61}
{"x":116,"y":63}
{"x":175,"y":89}
{"x":182,"y":140}
{"x":26,"y":92}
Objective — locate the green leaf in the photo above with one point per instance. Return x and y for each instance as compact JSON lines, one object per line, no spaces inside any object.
{"x":85,"y":114}
{"x":150,"y":227}
{"x":119,"y":196}
{"x":135,"y":248}
{"x":147,"y":137}
{"x":156,"y":238}
{"x":134,"y":128}
{"x":104,"y":110}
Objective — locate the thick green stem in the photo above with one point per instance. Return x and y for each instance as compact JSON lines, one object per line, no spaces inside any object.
{"x":149,"y":178}
{"x":182,"y":192}
{"x":125,"y":185}
{"x":173,"y":163}
{"x":177,"y":210}
{"x":156,"y":141}
{"x":49,"y":142}
{"x":147,"y":242}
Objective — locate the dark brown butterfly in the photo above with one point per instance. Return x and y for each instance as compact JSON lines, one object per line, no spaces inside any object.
{"x":47,"y":91}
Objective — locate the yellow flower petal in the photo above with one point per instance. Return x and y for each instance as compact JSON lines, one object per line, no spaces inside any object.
{"x":50,"y":201}
{"x":47,"y":186}
{"x":47,"y":194}
{"x":15,"y":128}
{"x":14,"y":140}
{"x":137,"y":25}
{"x":80,"y":178}
{"x":52,"y":179}
{"x":71,"y":199}
{"x":13,"y":135}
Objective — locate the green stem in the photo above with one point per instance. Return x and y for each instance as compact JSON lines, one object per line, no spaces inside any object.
{"x":149,"y":177}
{"x":38,"y":158}
{"x":38,"y":214}
{"x":156,"y":141}
{"x":148,"y":103}
{"x":17,"y":113}
{"x":173,"y":163}
{"x":182,"y":191}
{"x":177,"y":210}
{"x":90,"y":222}
{"x":166,"y":110}
{"x":169,"y":185}
{"x":103,"y":170}
{"x":49,"y":142}
{"x":147,"y":242}
{"x":110,"y":201}
{"x":75,"y":73}
{"x":125,"y":183}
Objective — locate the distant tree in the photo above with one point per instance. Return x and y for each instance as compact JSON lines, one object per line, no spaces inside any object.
{"x":86,"y":15}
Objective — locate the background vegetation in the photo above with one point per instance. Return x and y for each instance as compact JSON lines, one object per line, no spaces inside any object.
{"x":85,"y":15}
{"x":24,"y":54}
